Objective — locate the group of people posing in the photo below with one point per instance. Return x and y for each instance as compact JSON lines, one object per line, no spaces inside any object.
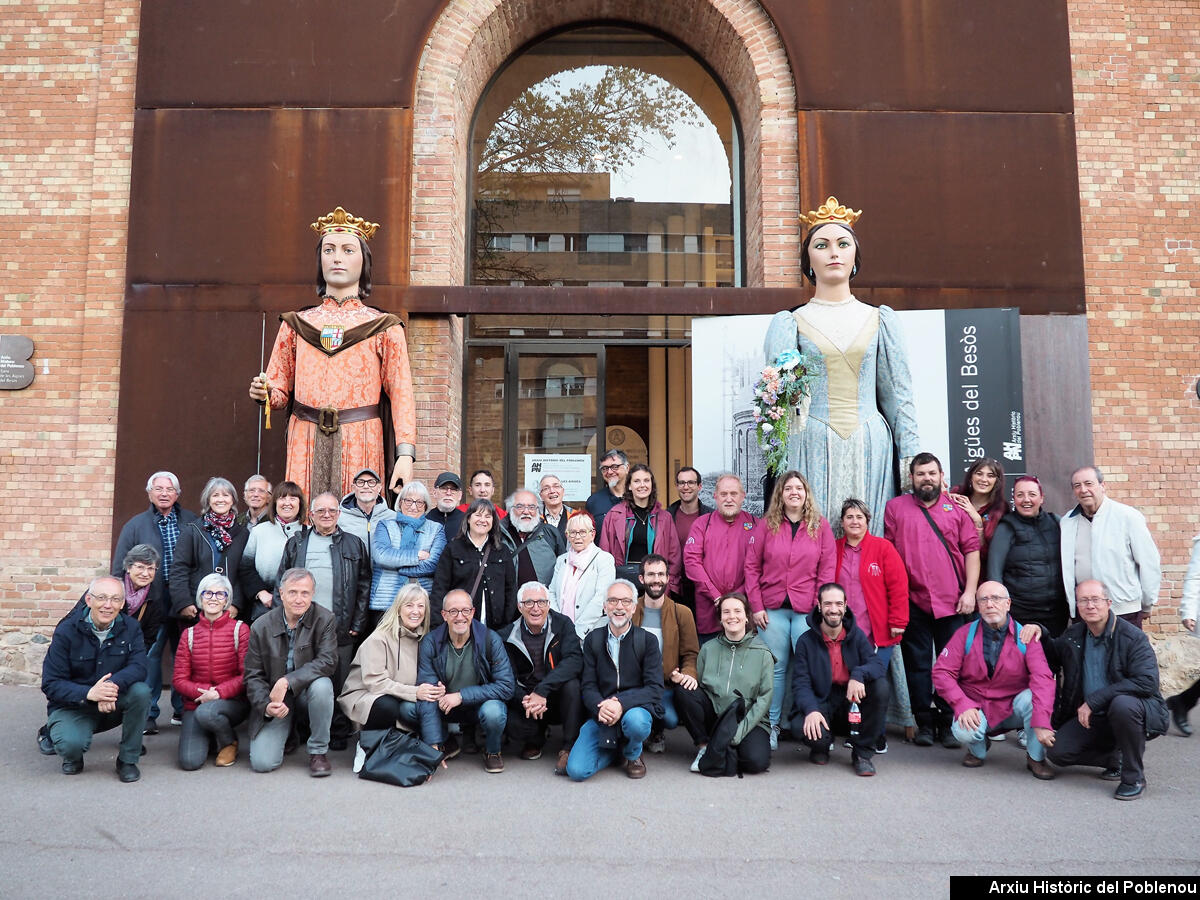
{"x":469,"y":624}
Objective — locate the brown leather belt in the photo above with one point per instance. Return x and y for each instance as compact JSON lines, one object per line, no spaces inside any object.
{"x":329,"y":420}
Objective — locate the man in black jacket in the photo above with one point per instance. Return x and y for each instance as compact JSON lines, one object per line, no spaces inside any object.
{"x":547,"y":661}
{"x":94,"y":679}
{"x":835,"y":668}
{"x":342,"y":569}
{"x":535,"y":546}
{"x":159,"y":527}
{"x":1108,"y":697}
{"x":622,"y":689}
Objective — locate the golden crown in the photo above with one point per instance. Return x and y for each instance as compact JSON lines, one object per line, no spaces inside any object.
{"x":831,"y":211}
{"x":341,"y":221}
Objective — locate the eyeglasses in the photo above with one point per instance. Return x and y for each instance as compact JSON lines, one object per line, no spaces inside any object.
{"x":992,"y":599}
{"x":214,"y":595}
{"x":687,"y":483}
{"x":611,"y":467}
{"x":106,"y":598}
{"x":452,"y":488}
{"x":525,"y":507}
{"x":1090,"y":601}
{"x":325,"y":512}
{"x":366,"y":482}
{"x":143,"y":567}
{"x":621,"y":601}
{"x":412,"y":501}
{"x":579,"y":532}
{"x":458,"y":613}
{"x":539,"y":604}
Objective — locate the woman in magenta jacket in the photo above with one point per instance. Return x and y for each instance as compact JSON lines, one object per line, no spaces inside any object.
{"x":873,"y":576}
{"x":783,"y":571}
{"x":639,"y":526}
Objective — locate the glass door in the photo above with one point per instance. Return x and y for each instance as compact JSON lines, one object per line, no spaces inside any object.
{"x":555,"y":416}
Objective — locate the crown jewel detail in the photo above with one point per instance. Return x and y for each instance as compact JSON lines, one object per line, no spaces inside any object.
{"x":341,"y":221}
{"x":831,"y":211}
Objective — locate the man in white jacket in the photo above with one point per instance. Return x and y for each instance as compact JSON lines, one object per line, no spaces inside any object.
{"x":1109,"y":542}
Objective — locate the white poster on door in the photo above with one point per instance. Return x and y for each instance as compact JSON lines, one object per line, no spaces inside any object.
{"x":574,"y":470}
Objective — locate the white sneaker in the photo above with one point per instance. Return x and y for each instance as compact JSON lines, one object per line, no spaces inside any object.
{"x":696,"y":761}
{"x":1021,"y":739}
{"x":996,"y":738}
{"x":774,"y":737}
{"x":360,"y":757}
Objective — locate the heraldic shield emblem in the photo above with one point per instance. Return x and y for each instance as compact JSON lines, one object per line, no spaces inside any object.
{"x":331,"y":336}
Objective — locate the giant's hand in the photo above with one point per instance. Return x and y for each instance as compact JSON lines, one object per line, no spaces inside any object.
{"x":258,"y":388}
{"x":401,"y":473}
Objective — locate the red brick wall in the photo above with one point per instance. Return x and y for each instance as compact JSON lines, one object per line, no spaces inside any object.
{"x":67,"y":77}
{"x":1137,"y":117}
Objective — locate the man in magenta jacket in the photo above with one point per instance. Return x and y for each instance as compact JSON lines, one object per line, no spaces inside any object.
{"x":993,"y":682}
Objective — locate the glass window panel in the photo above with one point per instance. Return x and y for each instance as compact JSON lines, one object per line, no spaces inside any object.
{"x":484,"y":403}
{"x":616,"y":141}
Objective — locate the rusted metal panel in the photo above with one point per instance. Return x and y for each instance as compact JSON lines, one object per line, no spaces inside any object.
{"x":185,"y":371}
{"x":988,"y":201}
{"x":928,"y":54}
{"x":281,"y":52}
{"x":226,"y":196}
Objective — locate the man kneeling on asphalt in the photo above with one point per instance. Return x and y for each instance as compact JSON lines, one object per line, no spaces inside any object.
{"x":546,"y":660}
{"x":94,"y":679}
{"x":836,"y":668}
{"x":289,"y":667}
{"x":470,"y":664}
{"x":994,"y":682}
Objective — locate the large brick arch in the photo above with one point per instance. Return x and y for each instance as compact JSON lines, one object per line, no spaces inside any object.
{"x":472,"y":39}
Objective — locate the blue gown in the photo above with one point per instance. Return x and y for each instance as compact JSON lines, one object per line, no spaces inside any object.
{"x":862,"y":412}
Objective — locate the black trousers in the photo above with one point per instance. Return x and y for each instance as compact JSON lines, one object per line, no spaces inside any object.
{"x":563,"y":707}
{"x":699,"y":717}
{"x":924,"y":638}
{"x":836,"y":712}
{"x":1187,"y":698}
{"x":1121,"y":727}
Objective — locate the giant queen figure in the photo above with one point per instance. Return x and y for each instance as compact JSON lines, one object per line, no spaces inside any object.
{"x":331,"y":362}
{"x":861,"y":415}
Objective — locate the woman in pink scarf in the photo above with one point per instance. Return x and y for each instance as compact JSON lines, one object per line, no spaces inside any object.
{"x":582,"y":575}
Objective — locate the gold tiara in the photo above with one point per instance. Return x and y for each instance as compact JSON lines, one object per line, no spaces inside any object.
{"x":341,"y":221}
{"x":831,"y":211}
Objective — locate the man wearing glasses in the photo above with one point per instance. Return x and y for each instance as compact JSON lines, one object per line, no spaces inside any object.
{"x":994,"y":682}
{"x":614,"y":468}
{"x":685,"y":511}
{"x":468,"y":664}
{"x":546,"y":660}
{"x":364,"y":507}
{"x":94,"y":679}
{"x":1108,"y":700}
{"x":622,"y":690}
{"x":447,"y":494}
{"x":535,"y":545}
{"x":341,"y":569}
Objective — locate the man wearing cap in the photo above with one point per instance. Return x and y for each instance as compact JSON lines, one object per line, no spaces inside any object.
{"x":332,"y":362}
{"x":364,"y":507}
{"x":447,"y":495}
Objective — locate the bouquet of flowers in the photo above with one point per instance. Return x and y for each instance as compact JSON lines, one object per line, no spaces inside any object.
{"x":783,"y":391}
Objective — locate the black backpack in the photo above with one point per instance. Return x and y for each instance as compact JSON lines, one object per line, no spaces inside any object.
{"x":720,"y":757}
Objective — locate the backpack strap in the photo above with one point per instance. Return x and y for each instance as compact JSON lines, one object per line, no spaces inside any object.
{"x":971,"y":636}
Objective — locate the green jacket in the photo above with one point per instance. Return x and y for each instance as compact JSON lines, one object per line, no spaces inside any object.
{"x":746,"y":667}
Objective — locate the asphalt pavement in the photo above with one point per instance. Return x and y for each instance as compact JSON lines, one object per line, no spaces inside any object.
{"x":798,"y":830}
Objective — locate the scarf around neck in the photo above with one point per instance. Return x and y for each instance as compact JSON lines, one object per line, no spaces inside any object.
{"x":218,"y":526}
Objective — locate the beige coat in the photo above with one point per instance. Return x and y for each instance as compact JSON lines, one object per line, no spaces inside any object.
{"x":381,"y":666}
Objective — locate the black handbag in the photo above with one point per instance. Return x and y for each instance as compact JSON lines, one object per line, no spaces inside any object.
{"x":720,"y":757}
{"x":397,"y":757}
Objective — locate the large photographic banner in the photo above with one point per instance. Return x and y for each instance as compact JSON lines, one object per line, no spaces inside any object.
{"x":966,"y":375}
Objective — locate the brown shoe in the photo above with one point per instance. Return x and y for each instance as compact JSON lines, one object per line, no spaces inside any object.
{"x":560,"y":766}
{"x":227,"y":755}
{"x":493,"y":763}
{"x":1040,"y":769}
{"x":635,"y":768}
{"x":971,"y":761}
{"x":318,"y":765}
{"x":531,"y":751}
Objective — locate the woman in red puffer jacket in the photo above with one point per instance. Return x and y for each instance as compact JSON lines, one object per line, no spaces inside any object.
{"x":209,"y":665}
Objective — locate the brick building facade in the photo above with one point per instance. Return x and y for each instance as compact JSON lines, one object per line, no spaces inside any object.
{"x":69,"y":74}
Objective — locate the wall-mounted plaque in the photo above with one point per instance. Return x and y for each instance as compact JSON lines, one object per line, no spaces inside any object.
{"x":16,"y":371}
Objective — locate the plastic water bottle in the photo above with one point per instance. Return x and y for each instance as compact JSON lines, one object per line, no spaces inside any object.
{"x":854,"y":717}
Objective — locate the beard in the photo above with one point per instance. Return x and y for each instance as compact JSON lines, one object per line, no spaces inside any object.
{"x":525,"y":526}
{"x":927,"y":493}
{"x":832,"y":622}
{"x":446,"y":504}
{"x":656,"y":590}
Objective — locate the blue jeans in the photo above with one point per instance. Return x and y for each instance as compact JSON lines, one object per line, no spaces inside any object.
{"x":1022,"y":716}
{"x":266,"y":747}
{"x":154,"y":680}
{"x":490,"y":715}
{"x":670,"y":717}
{"x":784,"y":627}
{"x":587,"y":758}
